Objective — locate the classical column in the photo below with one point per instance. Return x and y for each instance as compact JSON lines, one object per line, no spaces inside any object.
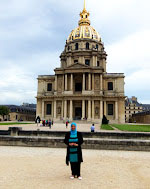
{"x":101,"y":109}
{"x":43,"y":109}
{"x":65,"y":109}
{"x":62,"y":109}
{"x":70,"y":60}
{"x":89,"y":109}
{"x":116,"y":110}
{"x":93,"y":112}
{"x":93,"y":82}
{"x":95,"y":60}
{"x":105,"y":108}
{"x":80,"y":60}
{"x":83,"y":88}
{"x":115,"y":87}
{"x":55,"y":82}
{"x":70,"y":110}
{"x":63,"y":83}
{"x":83,"y":109}
{"x":89,"y":87}
{"x":66,"y":82}
{"x":101,"y":82}
{"x":54,"y":109}
{"x":104,"y":64}
{"x":71,"y":83}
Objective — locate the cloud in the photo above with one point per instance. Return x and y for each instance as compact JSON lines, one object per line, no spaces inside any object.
{"x":137,"y":84}
{"x":18,"y":82}
{"x":131,"y":56}
{"x":33,"y":34}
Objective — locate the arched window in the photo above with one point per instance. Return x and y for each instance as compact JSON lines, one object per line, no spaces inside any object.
{"x":110,"y":86}
{"x":76,"y":46}
{"x":87,"y":45}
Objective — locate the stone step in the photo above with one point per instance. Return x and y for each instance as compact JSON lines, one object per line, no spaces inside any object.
{"x":89,"y":143}
{"x":17,"y":131}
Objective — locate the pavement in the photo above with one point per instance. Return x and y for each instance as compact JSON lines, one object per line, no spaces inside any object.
{"x":45,"y":168}
{"x":55,"y":127}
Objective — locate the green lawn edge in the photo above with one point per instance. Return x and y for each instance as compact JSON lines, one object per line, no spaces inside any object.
{"x":106,"y":127}
{"x":136,"y":128}
{"x":16,"y":123}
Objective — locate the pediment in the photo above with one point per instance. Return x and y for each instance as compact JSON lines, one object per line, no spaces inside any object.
{"x":77,"y":65}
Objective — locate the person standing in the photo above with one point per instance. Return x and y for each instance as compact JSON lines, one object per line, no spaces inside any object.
{"x":74,"y":140}
{"x":66,"y":124}
{"x":93,"y":128}
{"x":50,"y":124}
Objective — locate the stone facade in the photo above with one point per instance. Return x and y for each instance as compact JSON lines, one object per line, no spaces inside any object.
{"x":132,"y":106}
{"x":141,"y":117}
{"x":19,"y":113}
{"x":81,"y":89}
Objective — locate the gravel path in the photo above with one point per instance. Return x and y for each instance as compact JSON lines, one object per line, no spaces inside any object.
{"x":44,"y":168}
{"x":55,"y":127}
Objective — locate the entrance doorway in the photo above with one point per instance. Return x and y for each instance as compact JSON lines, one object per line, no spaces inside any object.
{"x":78,"y":113}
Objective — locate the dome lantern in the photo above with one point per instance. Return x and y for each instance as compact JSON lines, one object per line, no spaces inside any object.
{"x":84,"y":17}
{"x":84,"y":30}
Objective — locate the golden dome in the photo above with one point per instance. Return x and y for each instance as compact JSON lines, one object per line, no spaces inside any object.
{"x":84,"y":30}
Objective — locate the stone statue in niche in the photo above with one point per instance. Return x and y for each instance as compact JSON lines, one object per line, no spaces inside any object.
{"x":60,"y":85}
{"x":97,"y":84}
{"x":96,"y":110}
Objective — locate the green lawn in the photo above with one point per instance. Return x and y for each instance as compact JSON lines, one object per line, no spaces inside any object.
{"x":138,"y":128}
{"x":106,"y":127}
{"x":15,"y":123}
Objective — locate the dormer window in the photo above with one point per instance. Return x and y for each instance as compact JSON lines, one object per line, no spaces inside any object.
{"x":75,"y":61}
{"x":76,"y":46}
{"x":87,"y":45}
{"x":87,"y":62}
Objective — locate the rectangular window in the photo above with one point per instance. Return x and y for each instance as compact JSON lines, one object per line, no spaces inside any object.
{"x":76,"y":46}
{"x":48,"y":109}
{"x":97,"y":63}
{"x":49,"y":87}
{"x":87,"y":62}
{"x":75,"y":61}
{"x":110,"y":86}
{"x":110,"y":109}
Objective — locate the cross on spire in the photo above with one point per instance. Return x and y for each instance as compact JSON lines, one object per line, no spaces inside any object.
{"x":84,"y":5}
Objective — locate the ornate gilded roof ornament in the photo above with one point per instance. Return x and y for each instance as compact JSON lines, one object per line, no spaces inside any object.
{"x":84,"y":17}
{"x":84,"y":30}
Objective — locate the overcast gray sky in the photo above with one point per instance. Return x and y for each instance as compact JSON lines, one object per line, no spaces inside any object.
{"x":33,"y":35}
